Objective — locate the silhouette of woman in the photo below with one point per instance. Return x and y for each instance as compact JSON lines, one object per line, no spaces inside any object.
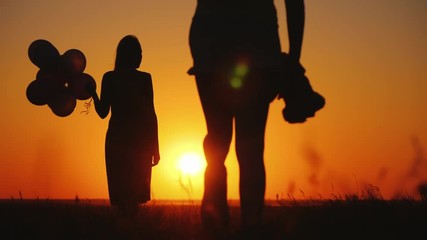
{"x":131,"y":146}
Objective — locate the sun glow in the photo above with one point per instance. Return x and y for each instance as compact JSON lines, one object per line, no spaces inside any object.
{"x":190,"y":163}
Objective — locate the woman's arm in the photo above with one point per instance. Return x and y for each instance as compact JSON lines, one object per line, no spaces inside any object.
{"x":156,"y":151}
{"x":155,"y":137}
{"x":102,"y":106}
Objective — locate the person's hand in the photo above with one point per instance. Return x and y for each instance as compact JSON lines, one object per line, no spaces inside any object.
{"x":291,"y":71}
{"x":155,"y":160}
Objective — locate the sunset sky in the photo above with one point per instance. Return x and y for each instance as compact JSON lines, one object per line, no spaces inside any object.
{"x":367,"y":57}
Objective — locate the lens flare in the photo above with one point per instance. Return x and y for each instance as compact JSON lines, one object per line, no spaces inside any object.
{"x":238,"y":76}
{"x":236,"y":82}
{"x":241,"y":69}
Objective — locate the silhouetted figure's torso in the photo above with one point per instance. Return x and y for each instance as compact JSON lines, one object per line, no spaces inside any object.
{"x":223,"y":29}
{"x":131,"y":99}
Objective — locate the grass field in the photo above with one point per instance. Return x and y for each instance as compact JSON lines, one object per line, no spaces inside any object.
{"x":328,"y":219}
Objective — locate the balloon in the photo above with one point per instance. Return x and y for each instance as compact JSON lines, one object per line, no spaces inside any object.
{"x":63,"y":104}
{"x":74,"y":61}
{"x":60,"y":80}
{"x":39,"y":92}
{"x":43,"y":54}
{"x":80,"y":84}
{"x":45,"y":75}
{"x":55,"y":79}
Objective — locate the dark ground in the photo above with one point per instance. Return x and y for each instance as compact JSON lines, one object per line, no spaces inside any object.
{"x":359,"y":219}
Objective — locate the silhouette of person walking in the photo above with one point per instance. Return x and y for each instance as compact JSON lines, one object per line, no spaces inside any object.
{"x":239,"y":69}
{"x":131,"y":145}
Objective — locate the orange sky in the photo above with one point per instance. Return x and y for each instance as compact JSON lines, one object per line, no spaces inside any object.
{"x":367,"y":57}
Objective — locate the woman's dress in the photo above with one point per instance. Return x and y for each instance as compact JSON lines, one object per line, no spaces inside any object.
{"x":132,"y":138}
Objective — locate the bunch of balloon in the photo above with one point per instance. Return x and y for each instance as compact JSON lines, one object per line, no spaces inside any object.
{"x":60,"y":81}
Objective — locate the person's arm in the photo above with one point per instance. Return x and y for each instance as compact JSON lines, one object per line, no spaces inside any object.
{"x":102,"y":106}
{"x":155,"y":137}
{"x":156,"y":152}
{"x":295,"y":16}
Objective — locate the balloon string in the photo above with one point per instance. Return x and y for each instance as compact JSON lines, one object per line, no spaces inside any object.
{"x":87,"y":105}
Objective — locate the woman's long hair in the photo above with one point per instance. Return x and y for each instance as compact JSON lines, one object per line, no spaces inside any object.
{"x":129,"y":53}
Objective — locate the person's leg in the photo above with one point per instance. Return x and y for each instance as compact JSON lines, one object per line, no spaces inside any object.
{"x":250,"y":129}
{"x":219,"y":120}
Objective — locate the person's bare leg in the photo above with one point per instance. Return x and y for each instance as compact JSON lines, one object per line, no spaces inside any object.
{"x":250,"y":128}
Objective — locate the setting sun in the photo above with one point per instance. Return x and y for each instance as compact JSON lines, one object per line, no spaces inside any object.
{"x":190,"y":163}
